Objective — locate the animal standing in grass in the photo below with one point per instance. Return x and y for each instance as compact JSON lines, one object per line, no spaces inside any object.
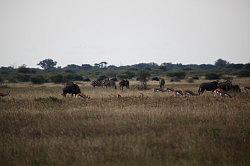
{"x":162,"y":83}
{"x":221,"y":92}
{"x":207,"y":86}
{"x":71,"y":88}
{"x":4,"y":94}
{"x":124,"y":83}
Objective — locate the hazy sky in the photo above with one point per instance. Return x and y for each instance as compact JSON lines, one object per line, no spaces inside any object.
{"x":124,"y":31}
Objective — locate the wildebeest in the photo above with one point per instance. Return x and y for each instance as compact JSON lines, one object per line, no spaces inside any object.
{"x":226,"y":86}
{"x":124,"y":83}
{"x":108,"y":83}
{"x":162,"y":83}
{"x":208,"y":86}
{"x":71,"y":88}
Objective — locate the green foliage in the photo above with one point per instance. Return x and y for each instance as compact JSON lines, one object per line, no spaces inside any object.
{"x":47,"y":64}
{"x":243,"y":73}
{"x":126,"y":75}
{"x":38,"y":79}
{"x":1,"y":80}
{"x":58,"y":78}
{"x":221,"y":63}
{"x":23,"y":77}
{"x":212,"y":76}
{"x":178,"y":74}
{"x":143,"y":75}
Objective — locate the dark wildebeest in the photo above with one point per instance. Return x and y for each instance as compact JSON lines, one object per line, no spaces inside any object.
{"x":71,"y":88}
{"x":124,"y":83}
{"x":208,"y":86}
{"x":162,"y":83}
{"x":109,"y":83}
{"x":226,"y":86}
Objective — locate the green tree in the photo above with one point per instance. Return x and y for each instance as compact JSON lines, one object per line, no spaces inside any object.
{"x":221,"y":63}
{"x":47,"y":64}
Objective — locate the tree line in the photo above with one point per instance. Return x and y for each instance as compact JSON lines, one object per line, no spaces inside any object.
{"x":50,"y":72}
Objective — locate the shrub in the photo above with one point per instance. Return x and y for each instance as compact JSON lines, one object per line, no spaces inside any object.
{"x":212,"y":76}
{"x":38,"y":79}
{"x":155,"y":79}
{"x":243,"y":73}
{"x":175,"y":79}
{"x":178,"y":74}
{"x":126,"y":75}
{"x":22,"y":77}
{"x":86,"y":80}
{"x":57,"y":78}
{"x":102,"y":77}
{"x":1,"y":80}
{"x":190,"y":80}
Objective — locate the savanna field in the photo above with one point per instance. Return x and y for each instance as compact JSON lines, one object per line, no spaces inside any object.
{"x":40,"y":127}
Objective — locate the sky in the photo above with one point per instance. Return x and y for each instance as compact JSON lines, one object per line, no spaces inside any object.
{"x":124,"y":32}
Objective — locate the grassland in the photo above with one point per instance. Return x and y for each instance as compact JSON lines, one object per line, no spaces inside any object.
{"x":40,"y":127}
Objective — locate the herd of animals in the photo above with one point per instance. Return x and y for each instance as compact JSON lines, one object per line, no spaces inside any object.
{"x":217,"y":88}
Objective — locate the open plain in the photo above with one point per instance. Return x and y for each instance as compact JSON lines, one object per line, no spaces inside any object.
{"x":40,"y":127}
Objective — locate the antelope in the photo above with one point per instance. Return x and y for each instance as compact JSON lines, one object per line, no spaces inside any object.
{"x":178,"y":93}
{"x":188,"y":93}
{"x":170,"y":90}
{"x":5,"y":94}
{"x":159,"y":90}
{"x":221,"y":92}
{"x":119,"y":96}
{"x":82,"y":95}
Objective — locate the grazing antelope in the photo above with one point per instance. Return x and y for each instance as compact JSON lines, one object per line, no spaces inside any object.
{"x":178,"y":93}
{"x":221,"y":92}
{"x":5,"y":94}
{"x":170,"y":90}
{"x":159,"y":90}
{"x":82,"y":95}
{"x":119,"y":96}
{"x":188,"y":93}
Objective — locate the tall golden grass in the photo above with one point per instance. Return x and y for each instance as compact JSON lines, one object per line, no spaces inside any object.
{"x":40,"y":127}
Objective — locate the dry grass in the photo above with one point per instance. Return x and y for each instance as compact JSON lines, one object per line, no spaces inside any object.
{"x":40,"y":127}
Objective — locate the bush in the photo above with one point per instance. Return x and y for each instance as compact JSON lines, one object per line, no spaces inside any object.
{"x":212,"y":76}
{"x":102,"y":77}
{"x":86,"y":80}
{"x":243,"y":73}
{"x":38,"y":79}
{"x":155,"y":79}
{"x":57,"y":78}
{"x":73,"y":77}
{"x":23,"y":78}
{"x":178,"y":74}
{"x":175,"y":79}
{"x":190,"y":80}
{"x":126,"y":75}
{"x":1,"y":80}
